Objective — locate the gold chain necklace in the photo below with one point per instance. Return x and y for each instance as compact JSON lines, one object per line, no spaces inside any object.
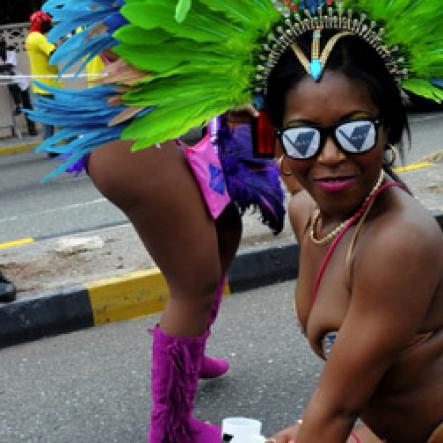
{"x":333,"y":234}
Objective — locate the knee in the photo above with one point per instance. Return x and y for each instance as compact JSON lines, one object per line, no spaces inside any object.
{"x":199,"y":288}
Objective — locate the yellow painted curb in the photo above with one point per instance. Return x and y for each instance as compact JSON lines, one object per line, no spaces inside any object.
{"x":413,"y":167}
{"x":15,"y":243}
{"x":131,"y":296}
{"x":18,"y":149}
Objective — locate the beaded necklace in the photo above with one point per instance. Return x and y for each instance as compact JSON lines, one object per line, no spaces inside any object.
{"x":336,"y":231}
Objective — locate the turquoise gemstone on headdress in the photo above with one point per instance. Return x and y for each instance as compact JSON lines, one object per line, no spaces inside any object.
{"x":316,"y":69}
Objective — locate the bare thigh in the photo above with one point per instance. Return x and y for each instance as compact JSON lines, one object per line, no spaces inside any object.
{"x":157,"y":191}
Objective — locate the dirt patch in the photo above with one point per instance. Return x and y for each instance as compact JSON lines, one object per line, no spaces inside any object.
{"x":437,"y":189}
{"x":40,"y":267}
{"x":434,"y":157}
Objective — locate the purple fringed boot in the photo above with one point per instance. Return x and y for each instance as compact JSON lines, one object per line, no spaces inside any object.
{"x":215,"y":367}
{"x":176,"y":364}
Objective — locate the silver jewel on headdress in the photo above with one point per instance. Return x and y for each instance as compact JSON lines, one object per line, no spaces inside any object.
{"x":294,"y":25}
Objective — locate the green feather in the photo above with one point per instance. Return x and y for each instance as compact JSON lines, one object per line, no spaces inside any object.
{"x":258,"y":16}
{"x":155,"y":59}
{"x":199,"y":27}
{"x":165,"y":126}
{"x":200,"y":55}
{"x":182,"y":9}
{"x":133,"y":35}
{"x":424,"y":89}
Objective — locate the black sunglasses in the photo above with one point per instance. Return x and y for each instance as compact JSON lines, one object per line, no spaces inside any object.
{"x":353,"y":137}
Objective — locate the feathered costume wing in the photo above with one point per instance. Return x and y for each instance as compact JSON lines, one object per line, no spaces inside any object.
{"x":170,"y":77}
{"x":185,"y":62}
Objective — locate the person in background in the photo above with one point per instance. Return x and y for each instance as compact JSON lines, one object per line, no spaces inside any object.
{"x":39,"y":51}
{"x":94,"y":67}
{"x":18,"y":88}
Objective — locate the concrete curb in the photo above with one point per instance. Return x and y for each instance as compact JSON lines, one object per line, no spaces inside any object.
{"x":439,"y":217}
{"x":19,"y":148}
{"x":134,"y":295}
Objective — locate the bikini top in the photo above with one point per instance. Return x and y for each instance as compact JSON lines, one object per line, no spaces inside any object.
{"x":330,"y":337}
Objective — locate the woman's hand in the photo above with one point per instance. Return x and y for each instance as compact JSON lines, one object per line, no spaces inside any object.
{"x":288,"y":435}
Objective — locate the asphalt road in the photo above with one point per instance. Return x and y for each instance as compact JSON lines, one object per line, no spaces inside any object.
{"x":66,"y":204}
{"x":92,"y":386}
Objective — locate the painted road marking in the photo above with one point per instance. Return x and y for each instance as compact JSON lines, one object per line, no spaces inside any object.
{"x":28,"y":240}
{"x":136,"y":294}
{"x":15,"y":243}
{"x":413,"y":167}
{"x":133,"y":295}
{"x":56,"y":210}
{"x":18,"y":149}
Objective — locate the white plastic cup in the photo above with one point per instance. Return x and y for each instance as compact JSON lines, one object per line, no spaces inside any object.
{"x":243,"y":430}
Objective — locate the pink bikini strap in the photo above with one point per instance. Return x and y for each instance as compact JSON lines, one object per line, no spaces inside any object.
{"x":334,"y":244}
{"x":356,"y":437}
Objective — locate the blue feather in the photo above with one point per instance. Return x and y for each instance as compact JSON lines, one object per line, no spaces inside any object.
{"x":115,"y":21}
{"x":86,"y":14}
{"x":85,"y":52}
{"x":437,"y":82}
{"x":83,"y":117}
{"x":73,"y":15}
{"x":80,"y":148}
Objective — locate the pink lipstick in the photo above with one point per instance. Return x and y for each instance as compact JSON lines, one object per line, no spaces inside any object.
{"x":335,"y":184}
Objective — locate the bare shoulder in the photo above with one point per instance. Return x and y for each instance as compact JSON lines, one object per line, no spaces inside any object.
{"x":300,"y":209}
{"x":408,"y":227}
{"x":405,"y":240}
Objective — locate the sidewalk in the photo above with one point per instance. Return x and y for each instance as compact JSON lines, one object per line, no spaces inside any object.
{"x":14,"y":145}
{"x":102,"y":276}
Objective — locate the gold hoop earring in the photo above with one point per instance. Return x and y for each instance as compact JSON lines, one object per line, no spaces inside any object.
{"x":394,"y":154}
{"x":280,"y":166}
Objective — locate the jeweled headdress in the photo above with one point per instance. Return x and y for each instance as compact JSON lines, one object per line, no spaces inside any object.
{"x":384,"y":25}
{"x":182,"y":62}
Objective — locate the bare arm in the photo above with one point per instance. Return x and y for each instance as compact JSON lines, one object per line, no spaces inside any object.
{"x":390,"y":298}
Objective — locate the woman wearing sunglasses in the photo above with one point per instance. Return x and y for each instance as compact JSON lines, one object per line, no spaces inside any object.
{"x":370,"y":291}
{"x":369,"y":296}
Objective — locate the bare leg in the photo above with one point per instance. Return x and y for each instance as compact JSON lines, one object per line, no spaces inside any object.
{"x":157,"y":191}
